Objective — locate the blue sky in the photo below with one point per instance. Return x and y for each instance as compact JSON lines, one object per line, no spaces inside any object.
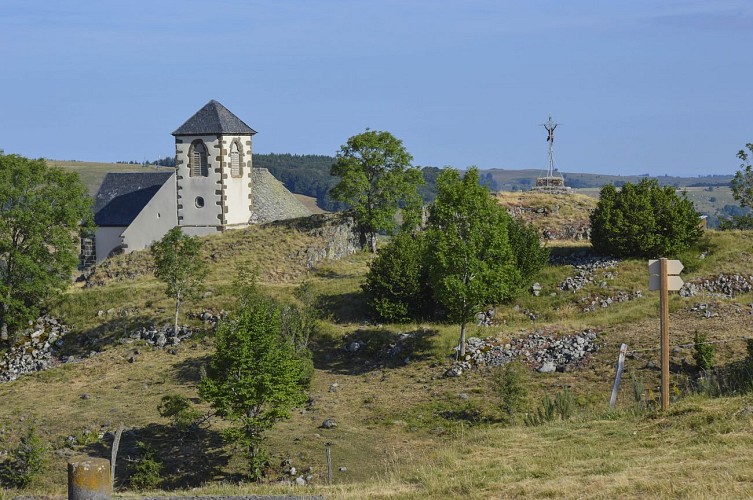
{"x":660,"y":87}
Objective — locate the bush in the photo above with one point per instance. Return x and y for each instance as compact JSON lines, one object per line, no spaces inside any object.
{"x":643,"y":220}
{"x":562,"y":407}
{"x":147,"y":471}
{"x":704,"y":353}
{"x":255,"y":377}
{"x":25,"y":461}
{"x":508,"y":382}
{"x":182,"y":414}
{"x":479,"y":256}
{"x":530,"y":256}
{"x":396,"y":286}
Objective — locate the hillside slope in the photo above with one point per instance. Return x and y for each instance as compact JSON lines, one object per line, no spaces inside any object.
{"x":404,"y":430}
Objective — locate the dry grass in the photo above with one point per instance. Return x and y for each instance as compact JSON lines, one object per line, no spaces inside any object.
{"x":403,"y":430}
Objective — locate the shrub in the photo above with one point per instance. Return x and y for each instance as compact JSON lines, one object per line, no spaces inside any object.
{"x":643,"y":220}
{"x":562,"y":407}
{"x":542,"y":415}
{"x":25,"y":461}
{"x":531,"y":257}
{"x":704,"y":352}
{"x":396,"y":285}
{"x":508,"y":382}
{"x":147,"y":471}
{"x":182,"y":414}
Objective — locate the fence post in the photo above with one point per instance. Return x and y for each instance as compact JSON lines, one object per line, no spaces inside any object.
{"x":618,"y":376}
{"x":329,"y":467}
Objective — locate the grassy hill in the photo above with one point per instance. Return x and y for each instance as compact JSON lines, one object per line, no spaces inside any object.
{"x":404,"y":430}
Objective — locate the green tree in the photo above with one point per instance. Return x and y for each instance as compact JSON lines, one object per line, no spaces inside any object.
{"x":396,"y":285}
{"x":742,"y":191}
{"x":255,"y":377}
{"x":376,"y":178}
{"x":742,"y":183}
{"x":25,"y":461}
{"x":43,"y":212}
{"x":178,"y":263}
{"x":472,"y":261}
{"x":530,"y":256}
{"x":643,"y":220}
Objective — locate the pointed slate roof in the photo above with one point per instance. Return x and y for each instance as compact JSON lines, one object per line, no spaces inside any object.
{"x":214,"y":118}
{"x":123,"y":195}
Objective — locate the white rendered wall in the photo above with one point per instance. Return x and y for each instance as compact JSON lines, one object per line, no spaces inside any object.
{"x":237,"y":190}
{"x":227,"y":199}
{"x":191,"y":188}
{"x":106,"y":240}
{"x":155,"y":219}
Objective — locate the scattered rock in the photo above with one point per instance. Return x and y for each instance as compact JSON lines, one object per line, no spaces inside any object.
{"x":329,"y":424}
{"x":547,"y":367}
{"x":724,"y":285}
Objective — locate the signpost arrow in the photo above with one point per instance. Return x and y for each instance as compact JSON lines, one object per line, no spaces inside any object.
{"x":673,"y":266}
{"x":674,"y":283}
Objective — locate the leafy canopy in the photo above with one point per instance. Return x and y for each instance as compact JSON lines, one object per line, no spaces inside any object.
{"x":472,"y":254}
{"x":472,"y":262}
{"x":397,"y":284}
{"x":376,"y":178}
{"x":643,"y":220}
{"x":177,"y":258}
{"x":255,"y":376}
{"x":43,"y":212}
{"x":742,"y":191}
{"x":742,"y":183}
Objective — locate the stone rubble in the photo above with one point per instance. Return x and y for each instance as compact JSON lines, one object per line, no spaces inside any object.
{"x":40,"y":351}
{"x":36,"y":353}
{"x":726,"y":285}
{"x":586,"y":267}
{"x":160,"y":336}
{"x":542,"y":351}
{"x":595,"y":302}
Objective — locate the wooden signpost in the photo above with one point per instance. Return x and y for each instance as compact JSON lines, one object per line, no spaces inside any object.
{"x":663,"y":277}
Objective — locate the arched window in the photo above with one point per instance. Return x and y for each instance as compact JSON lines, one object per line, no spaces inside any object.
{"x":197,"y":158}
{"x":235,"y":161}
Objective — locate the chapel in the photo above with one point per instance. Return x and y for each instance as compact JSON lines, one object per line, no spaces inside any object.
{"x":213,"y":187}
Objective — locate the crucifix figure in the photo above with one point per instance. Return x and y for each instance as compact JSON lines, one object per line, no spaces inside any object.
{"x":550,"y":126}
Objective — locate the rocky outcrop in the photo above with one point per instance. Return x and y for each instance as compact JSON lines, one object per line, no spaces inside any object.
{"x":337,"y":237}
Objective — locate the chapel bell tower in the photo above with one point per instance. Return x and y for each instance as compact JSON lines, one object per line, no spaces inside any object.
{"x":213,"y":171}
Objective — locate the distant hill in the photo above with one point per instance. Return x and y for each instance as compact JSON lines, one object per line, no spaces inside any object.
{"x":522,"y":180}
{"x":308,"y":175}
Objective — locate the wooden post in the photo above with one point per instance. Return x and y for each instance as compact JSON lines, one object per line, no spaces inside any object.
{"x":329,"y":467}
{"x":618,"y":377}
{"x":114,"y":454}
{"x":664,"y":304}
{"x":89,"y":479}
